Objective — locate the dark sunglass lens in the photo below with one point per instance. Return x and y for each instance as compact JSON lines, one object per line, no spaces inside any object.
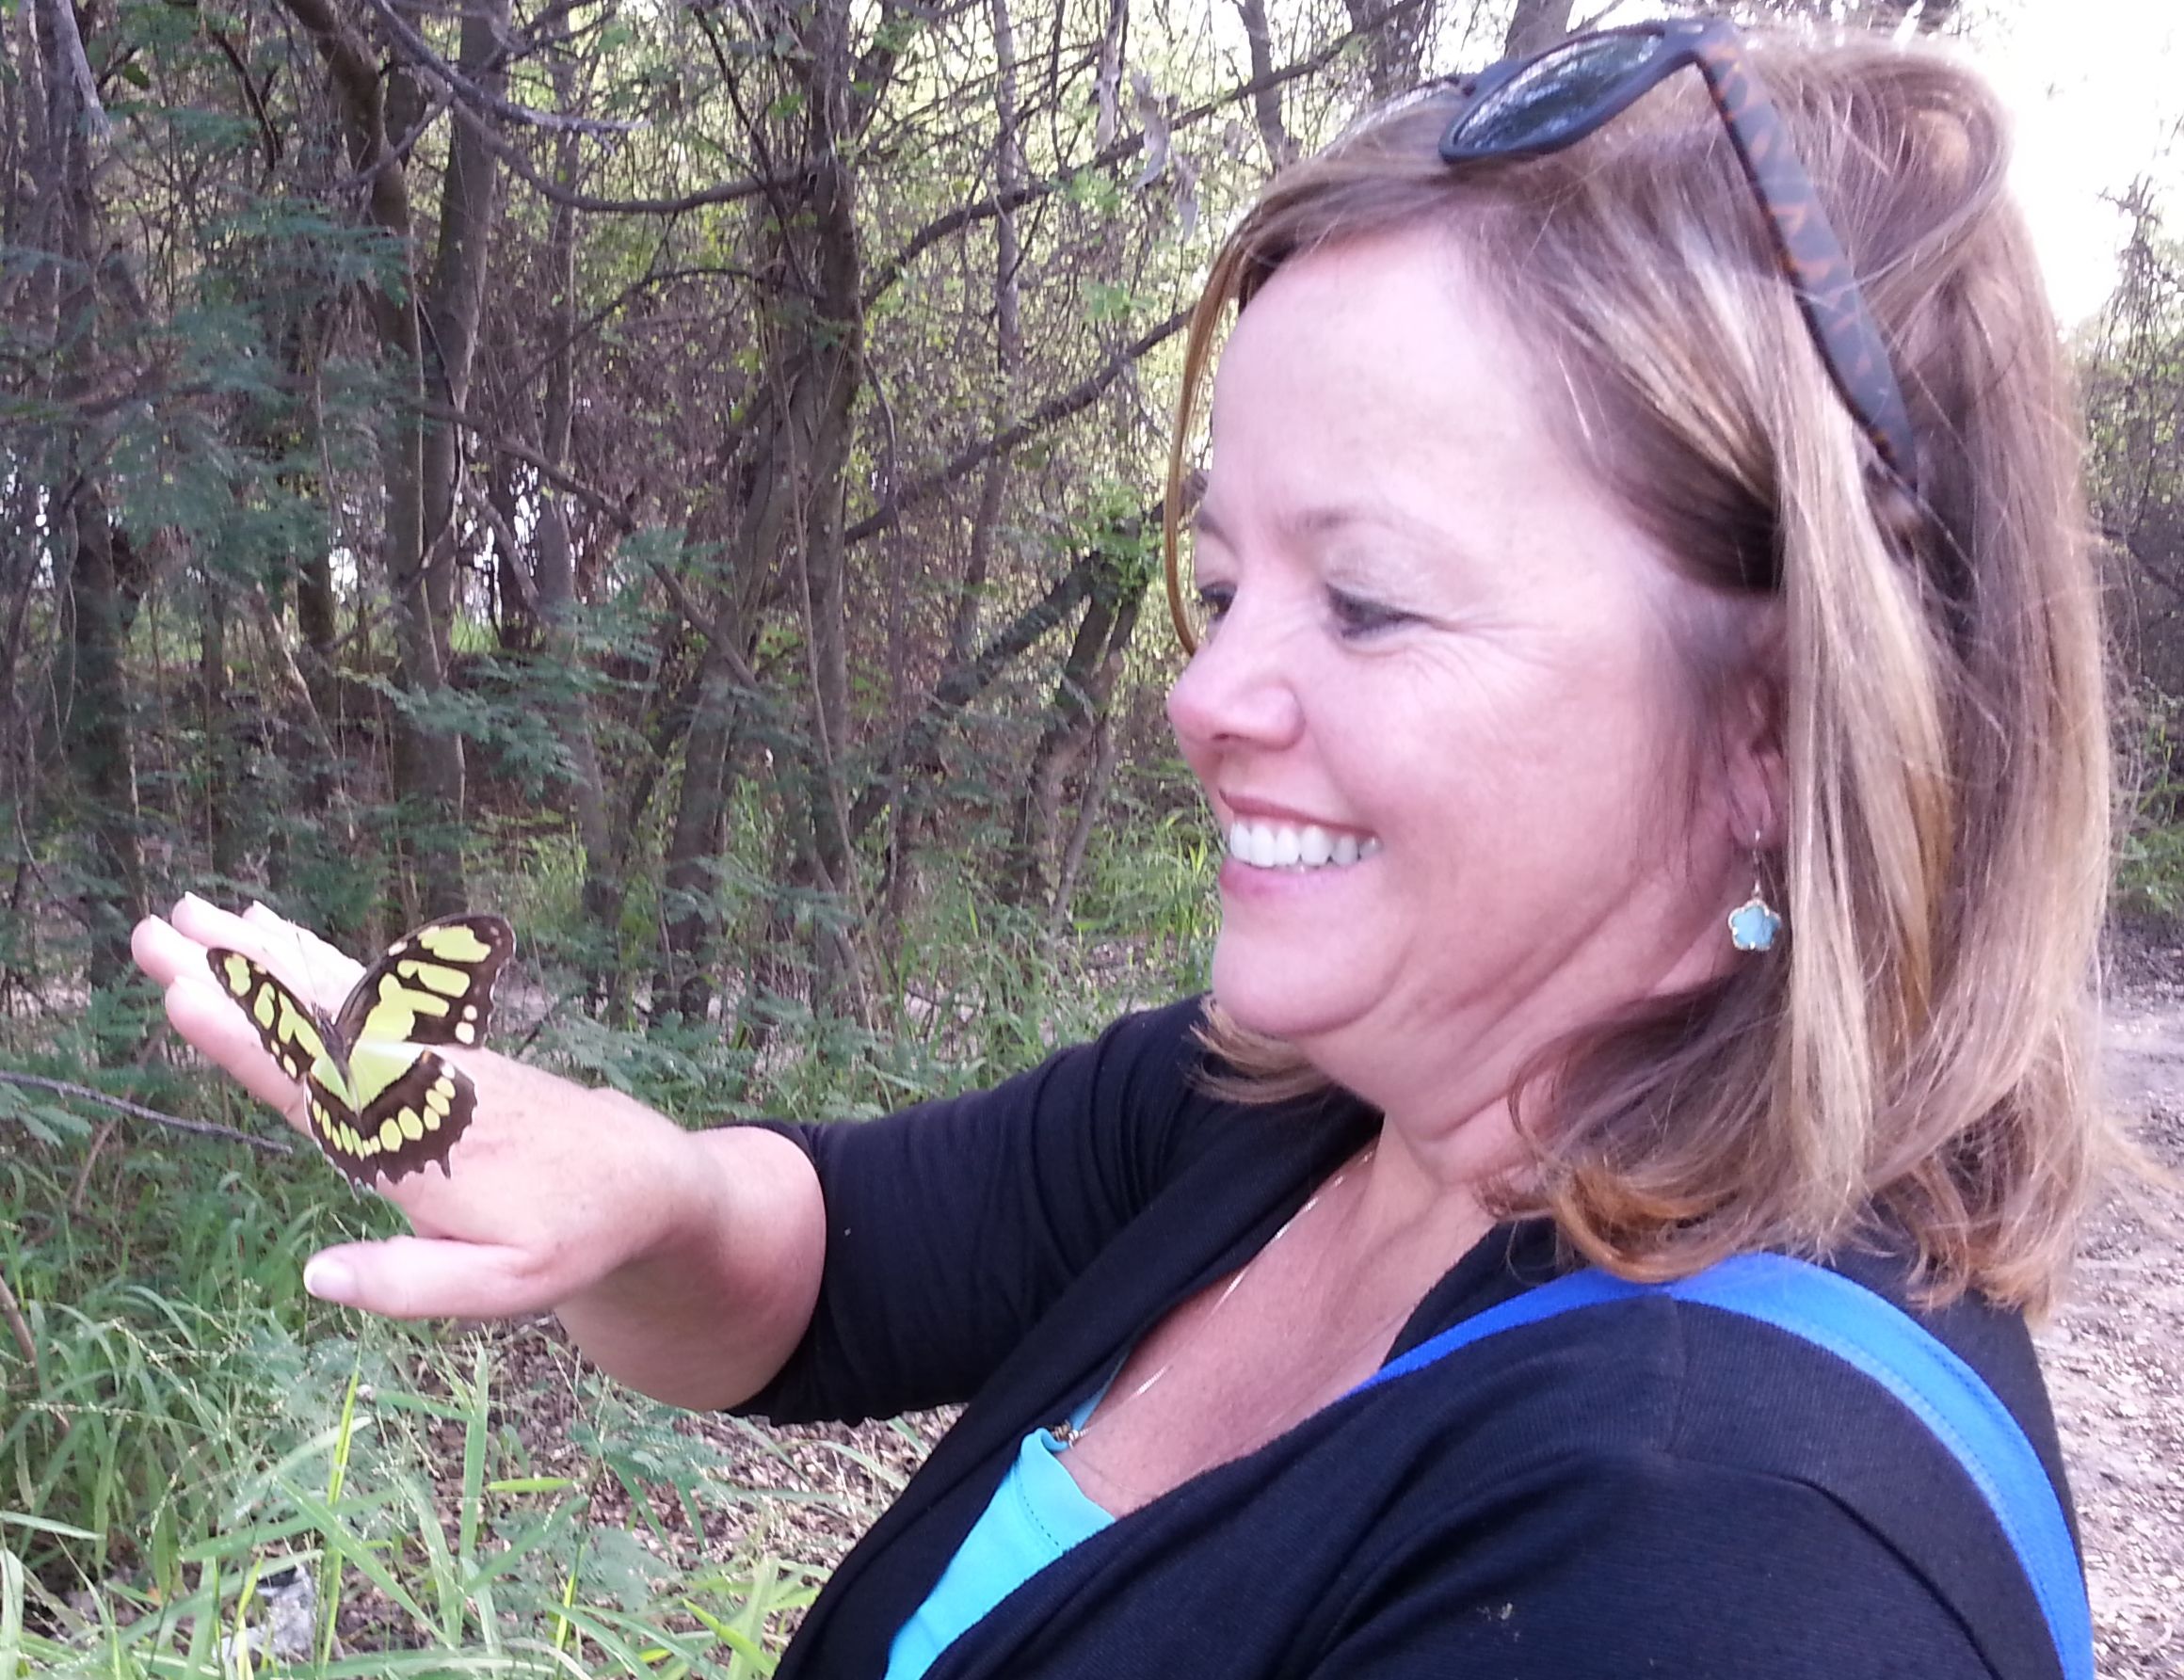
{"x":1538,"y":108}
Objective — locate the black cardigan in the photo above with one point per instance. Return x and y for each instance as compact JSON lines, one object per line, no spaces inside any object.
{"x":1647,"y":1487}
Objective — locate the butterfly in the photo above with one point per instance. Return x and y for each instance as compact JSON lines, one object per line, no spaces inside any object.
{"x":380,"y":1101}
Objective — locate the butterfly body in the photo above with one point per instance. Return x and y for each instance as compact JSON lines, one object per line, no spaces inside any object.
{"x":382,"y":1101}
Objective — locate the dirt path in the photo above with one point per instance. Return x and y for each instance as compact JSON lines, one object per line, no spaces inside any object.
{"x":2115,"y":1357}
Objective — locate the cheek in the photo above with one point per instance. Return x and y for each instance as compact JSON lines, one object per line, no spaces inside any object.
{"x":1585,"y":757}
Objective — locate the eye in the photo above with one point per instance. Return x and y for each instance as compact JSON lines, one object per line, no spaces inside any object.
{"x":1214,"y":601}
{"x":1359,"y":616}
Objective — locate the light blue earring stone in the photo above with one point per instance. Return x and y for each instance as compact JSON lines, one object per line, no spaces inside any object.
{"x":1753,"y":925}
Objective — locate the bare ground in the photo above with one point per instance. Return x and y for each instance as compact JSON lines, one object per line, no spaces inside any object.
{"x":2116,"y":1355}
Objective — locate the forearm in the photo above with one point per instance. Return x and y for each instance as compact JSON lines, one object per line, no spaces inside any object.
{"x":706,"y":1316}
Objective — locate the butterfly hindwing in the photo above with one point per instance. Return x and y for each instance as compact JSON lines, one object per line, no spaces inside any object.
{"x":411,"y":1123}
{"x":380,"y":1102}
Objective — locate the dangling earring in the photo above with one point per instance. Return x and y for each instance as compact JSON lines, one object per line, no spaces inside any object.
{"x":1754,"y":924}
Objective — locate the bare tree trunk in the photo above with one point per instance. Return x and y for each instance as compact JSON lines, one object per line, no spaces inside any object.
{"x":683,"y":981}
{"x":1008,"y":174}
{"x":224,"y":757}
{"x":455,"y":298}
{"x":101,"y":737}
{"x":1393,"y":49}
{"x":1266,"y":102}
{"x":428,"y":756}
{"x":1088,"y":804}
{"x":682,"y":977}
{"x":793,"y":518}
{"x":556,"y":583}
{"x":1537,"y":25}
{"x":101,"y":732}
{"x":1078,"y":713}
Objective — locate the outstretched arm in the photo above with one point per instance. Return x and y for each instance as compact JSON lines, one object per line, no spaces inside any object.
{"x":683,"y":1263}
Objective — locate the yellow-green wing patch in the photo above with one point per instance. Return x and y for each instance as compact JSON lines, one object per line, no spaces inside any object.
{"x":293,"y":1033}
{"x":379,"y":1101}
{"x":434,"y":985}
{"x":412,"y":1124}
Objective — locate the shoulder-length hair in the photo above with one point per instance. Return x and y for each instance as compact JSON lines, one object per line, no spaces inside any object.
{"x":1911,"y":1063}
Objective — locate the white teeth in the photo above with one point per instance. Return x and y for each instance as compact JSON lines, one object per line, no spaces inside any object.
{"x":1272,"y":845}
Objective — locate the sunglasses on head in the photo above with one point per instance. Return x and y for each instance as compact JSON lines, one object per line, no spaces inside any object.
{"x":1527,"y":107}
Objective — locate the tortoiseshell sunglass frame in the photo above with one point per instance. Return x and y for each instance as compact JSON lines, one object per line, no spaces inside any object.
{"x":1811,"y":256}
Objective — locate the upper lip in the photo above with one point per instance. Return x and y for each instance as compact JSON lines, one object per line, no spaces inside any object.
{"x":1235,"y":807}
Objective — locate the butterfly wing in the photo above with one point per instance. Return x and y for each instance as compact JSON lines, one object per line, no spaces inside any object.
{"x":380,"y":1100}
{"x":410,"y":1108}
{"x":435,"y":985}
{"x":307,"y":1048}
{"x":295,"y":1034}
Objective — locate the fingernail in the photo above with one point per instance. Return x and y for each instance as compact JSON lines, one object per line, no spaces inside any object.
{"x":330,"y":1280}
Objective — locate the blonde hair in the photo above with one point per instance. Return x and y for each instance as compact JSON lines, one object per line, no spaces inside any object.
{"x":1911,"y":1063}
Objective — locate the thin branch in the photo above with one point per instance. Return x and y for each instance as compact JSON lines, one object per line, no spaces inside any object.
{"x":519,"y":574}
{"x":420,"y":51}
{"x":1000,"y":203}
{"x":199,"y":1127}
{"x":912,"y":749}
{"x":728,"y":192}
{"x":716,"y":645}
{"x":597,"y":500}
{"x":594,"y":320}
{"x":267,"y":137}
{"x":1079,"y":396}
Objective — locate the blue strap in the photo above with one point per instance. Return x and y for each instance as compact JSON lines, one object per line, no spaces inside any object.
{"x":1888,"y":1346}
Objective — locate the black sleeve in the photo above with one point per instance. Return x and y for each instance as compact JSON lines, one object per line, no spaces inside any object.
{"x":1648,"y":1563}
{"x":951,"y":1226}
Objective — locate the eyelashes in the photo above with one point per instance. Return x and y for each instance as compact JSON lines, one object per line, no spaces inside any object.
{"x":1361,"y":617}
{"x":1356,"y":617}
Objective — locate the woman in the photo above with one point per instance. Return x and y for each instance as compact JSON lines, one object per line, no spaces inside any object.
{"x":1587,"y":596}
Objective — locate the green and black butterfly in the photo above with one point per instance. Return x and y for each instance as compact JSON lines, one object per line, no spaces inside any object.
{"x":382,"y":1101}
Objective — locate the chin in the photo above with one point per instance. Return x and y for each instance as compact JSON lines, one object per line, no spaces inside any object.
{"x":1288,"y":1001}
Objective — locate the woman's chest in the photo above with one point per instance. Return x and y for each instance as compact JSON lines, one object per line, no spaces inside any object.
{"x":1233,"y":1368}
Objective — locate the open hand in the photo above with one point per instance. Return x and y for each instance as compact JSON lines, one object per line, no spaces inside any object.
{"x":552,"y":1188}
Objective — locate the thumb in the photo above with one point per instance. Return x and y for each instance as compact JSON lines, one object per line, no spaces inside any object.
{"x":429,"y":1277}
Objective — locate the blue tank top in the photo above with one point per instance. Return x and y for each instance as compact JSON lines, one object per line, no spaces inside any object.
{"x":1036,"y":1514}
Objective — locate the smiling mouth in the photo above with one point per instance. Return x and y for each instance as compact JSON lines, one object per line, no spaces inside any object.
{"x":1297,"y":846}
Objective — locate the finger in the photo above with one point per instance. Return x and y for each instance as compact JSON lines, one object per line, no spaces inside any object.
{"x":421,"y":1277}
{"x":208,"y":924}
{"x":328,"y":965}
{"x":162,"y":952}
{"x":214,"y":1025}
{"x":312,"y":967}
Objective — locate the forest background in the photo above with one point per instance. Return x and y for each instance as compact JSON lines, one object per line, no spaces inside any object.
{"x":685,"y":476}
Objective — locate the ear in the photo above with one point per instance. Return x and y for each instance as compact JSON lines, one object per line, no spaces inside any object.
{"x":1757,"y":773}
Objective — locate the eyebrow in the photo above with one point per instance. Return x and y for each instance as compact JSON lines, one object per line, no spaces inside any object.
{"x":1330,"y":517}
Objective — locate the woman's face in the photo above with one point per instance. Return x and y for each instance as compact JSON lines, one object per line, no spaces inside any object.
{"x":1435,"y":714}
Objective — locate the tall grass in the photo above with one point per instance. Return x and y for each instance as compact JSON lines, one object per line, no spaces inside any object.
{"x":174,"y":1448}
{"x":195,"y":1428}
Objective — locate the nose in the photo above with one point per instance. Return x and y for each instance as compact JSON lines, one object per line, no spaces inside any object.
{"x":1238,"y":689}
